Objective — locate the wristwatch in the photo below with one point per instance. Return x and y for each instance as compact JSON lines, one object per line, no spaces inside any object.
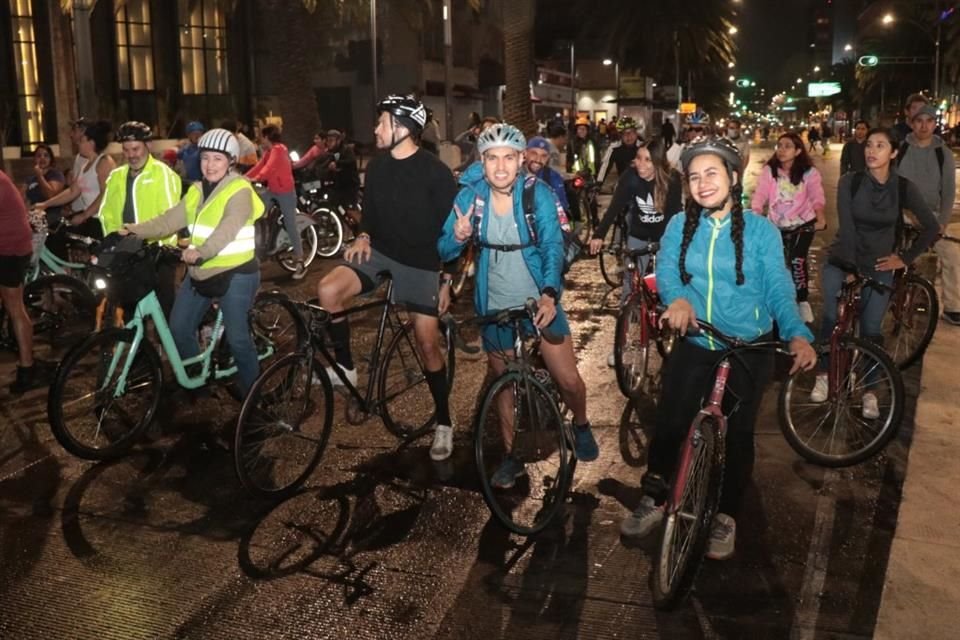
{"x":549,"y":291}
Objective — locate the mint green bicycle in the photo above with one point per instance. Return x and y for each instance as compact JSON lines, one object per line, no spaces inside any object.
{"x":107,"y":388}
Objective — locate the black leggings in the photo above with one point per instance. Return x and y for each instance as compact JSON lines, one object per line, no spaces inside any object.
{"x":687,"y":379}
{"x":796,"y":247}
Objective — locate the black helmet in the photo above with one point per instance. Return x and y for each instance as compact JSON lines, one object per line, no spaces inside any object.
{"x":715,"y":145}
{"x":134,"y":131}
{"x":408,"y":110}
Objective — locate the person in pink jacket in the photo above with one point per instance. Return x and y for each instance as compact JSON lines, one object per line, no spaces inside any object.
{"x":276,"y":170}
{"x":791,"y":189}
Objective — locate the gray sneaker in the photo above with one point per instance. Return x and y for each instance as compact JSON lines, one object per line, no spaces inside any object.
{"x":723,"y":536}
{"x":643,"y":520}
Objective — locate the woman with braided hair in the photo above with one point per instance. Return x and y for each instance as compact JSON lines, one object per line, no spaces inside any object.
{"x":725,"y":265}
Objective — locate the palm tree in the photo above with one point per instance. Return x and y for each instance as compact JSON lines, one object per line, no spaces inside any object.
{"x":518,"y":18}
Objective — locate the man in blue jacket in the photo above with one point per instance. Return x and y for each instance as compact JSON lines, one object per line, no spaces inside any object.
{"x":538,"y":163}
{"x":519,"y":258}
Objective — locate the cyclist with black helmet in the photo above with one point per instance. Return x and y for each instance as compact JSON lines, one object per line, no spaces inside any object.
{"x":220,"y":211}
{"x":407,"y":195}
{"x":622,"y":152}
{"x":724,"y":265}
{"x":140,"y":190}
{"x":518,"y":259}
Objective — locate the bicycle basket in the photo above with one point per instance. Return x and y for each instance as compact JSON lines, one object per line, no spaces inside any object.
{"x":129,"y":265}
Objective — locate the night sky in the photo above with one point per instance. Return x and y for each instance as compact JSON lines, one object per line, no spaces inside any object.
{"x":771,"y":33}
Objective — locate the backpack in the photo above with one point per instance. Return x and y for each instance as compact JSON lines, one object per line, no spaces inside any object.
{"x":571,"y":246}
{"x":902,"y":182}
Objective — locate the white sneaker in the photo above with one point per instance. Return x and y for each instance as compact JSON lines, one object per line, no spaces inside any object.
{"x":442,"y":443}
{"x":611,"y":361}
{"x":349,"y":374}
{"x":871,"y":409}
{"x":723,"y":536}
{"x":821,"y":389}
{"x":805,"y":312}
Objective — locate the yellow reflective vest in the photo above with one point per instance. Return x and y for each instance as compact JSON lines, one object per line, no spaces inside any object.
{"x":203,"y":219}
{"x":155,"y":189}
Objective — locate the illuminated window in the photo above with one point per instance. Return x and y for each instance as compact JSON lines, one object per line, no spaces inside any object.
{"x":134,"y":47}
{"x":25,"y":60}
{"x":203,"y":46}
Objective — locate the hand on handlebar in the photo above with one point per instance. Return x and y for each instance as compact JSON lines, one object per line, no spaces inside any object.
{"x":804,"y":355}
{"x":360,"y":249}
{"x":190,"y":256}
{"x":546,"y":311}
{"x":891,"y":262}
{"x":596,"y":244}
{"x":679,"y":316}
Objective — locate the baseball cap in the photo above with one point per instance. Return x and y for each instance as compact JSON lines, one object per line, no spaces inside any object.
{"x":926,"y":110}
{"x":195,"y":127}
{"x":538,"y":142}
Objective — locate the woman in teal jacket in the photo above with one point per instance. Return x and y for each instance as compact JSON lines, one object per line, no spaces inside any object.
{"x":518,"y":259}
{"x":724,"y":265}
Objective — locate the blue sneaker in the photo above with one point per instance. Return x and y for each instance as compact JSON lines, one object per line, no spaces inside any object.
{"x":505,"y":476}
{"x":585,"y":446}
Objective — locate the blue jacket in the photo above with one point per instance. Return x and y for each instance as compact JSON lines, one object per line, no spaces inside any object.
{"x":555,"y":180}
{"x":545,"y":260}
{"x":746,"y":311}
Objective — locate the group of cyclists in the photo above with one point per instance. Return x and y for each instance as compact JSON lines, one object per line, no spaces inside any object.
{"x":717,"y":261}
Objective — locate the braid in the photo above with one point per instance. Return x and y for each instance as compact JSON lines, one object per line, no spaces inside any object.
{"x":737,"y":224}
{"x":690,"y":223}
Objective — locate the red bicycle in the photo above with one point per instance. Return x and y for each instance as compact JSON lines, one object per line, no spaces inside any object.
{"x":640,"y":346}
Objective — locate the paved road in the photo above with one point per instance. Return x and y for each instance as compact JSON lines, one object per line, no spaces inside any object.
{"x":385,"y":544}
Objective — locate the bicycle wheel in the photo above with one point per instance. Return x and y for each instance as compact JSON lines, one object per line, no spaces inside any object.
{"x":539,"y":444}
{"x":465,"y":268}
{"x":284,"y":427}
{"x":406,"y":404}
{"x":910,"y":320}
{"x":309,"y":242}
{"x":835,"y":433}
{"x":278,"y":328}
{"x":62,"y":309}
{"x":688,"y":515}
{"x":96,"y":410}
{"x":329,"y":232}
{"x":611,"y":256}
{"x":637,"y":355}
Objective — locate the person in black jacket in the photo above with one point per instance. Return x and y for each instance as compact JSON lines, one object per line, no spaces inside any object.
{"x":650,"y":193}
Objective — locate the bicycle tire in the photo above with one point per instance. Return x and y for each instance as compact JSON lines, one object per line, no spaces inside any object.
{"x":793,"y":413}
{"x":62,"y":309}
{"x":309,"y":244}
{"x":67,"y":410}
{"x":611,"y":256}
{"x":921,"y":298}
{"x":284,"y":427}
{"x":329,"y":232}
{"x":465,"y":263}
{"x":403,"y":395}
{"x":632,"y":354}
{"x":540,"y":442}
{"x":276,"y":323}
{"x":673,"y":574}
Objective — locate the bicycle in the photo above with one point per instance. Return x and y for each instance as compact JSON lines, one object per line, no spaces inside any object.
{"x":834,"y":433}
{"x":638,"y":340}
{"x":276,"y":419}
{"x":542,"y":437}
{"x":694,"y":495}
{"x":107,"y":388}
{"x":272,"y":237}
{"x":611,"y":257}
{"x":334,"y":224}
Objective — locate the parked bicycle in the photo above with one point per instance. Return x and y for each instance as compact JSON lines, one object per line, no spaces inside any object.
{"x":336,"y":224}
{"x":286,"y":416}
{"x":272,"y":237}
{"x":838,"y":432}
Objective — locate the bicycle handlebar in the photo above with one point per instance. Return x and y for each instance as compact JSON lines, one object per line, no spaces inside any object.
{"x":732,"y":343}
{"x":512,"y":316}
{"x":852,"y":269}
{"x":650,"y":249}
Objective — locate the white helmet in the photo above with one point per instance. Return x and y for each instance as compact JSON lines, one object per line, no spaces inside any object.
{"x":501,"y":135}
{"x":222,"y":141}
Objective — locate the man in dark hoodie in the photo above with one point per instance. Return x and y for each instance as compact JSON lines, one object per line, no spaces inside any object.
{"x":927,"y":162}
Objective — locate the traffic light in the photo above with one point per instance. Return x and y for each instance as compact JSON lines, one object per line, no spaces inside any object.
{"x":868,"y":61}
{"x":743,"y":83}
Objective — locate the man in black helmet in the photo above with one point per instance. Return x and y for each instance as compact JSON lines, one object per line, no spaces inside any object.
{"x":407,"y":196}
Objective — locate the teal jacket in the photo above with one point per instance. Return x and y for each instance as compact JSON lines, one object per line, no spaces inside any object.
{"x":747,"y":311}
{"x":545,"y":260}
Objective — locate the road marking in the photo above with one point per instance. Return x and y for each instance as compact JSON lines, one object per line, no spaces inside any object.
{"x":818,"y":558}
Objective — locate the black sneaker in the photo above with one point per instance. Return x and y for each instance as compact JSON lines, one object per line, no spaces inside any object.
{"x":953,"y":317}
{"x":29,"y":378}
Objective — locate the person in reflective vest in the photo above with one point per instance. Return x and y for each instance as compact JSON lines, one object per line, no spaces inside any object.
{"x":140,"y":190}
{"x":219,"y":211}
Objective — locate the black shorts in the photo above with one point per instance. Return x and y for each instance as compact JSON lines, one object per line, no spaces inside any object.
{"x":13,"y":269}
{"x":416,"y":289}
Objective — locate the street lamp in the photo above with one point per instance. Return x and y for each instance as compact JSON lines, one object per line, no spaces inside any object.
{"x":889,"y":18}
{"x":816,"y":69}
{"x":732,"y":30}
{"x":731,"y":65}
{"x":616,"y":70}
{"x":731,"y":78}
{"x":848,"y":47}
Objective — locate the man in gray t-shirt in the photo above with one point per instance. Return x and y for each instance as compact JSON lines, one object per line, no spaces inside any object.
{"x":927,"y":162}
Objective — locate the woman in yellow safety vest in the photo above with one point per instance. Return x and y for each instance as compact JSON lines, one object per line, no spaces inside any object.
{"x":219,"y":211}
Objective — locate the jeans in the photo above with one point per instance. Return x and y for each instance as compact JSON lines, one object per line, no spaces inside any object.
{"x":873,"y":303}
{"x":632,"y":245}
{"x":288,"y":207}
{"x":188,"y":311}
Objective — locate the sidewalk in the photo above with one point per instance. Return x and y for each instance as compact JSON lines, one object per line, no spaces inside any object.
{"x":921,"y":594}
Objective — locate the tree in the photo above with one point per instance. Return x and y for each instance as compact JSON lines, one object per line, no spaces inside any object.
{"x":518,"y":18}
